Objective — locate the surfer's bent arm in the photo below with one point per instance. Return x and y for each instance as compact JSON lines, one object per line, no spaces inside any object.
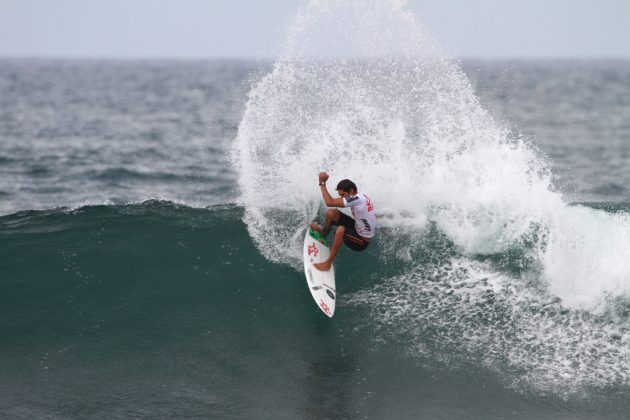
{"x":328,"y":199}
{"x":331,"y":202}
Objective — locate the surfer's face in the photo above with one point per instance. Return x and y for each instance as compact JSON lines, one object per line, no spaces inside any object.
{"x":343,"y":193}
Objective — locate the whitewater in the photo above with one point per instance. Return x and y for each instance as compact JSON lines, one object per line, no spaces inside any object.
{"x":524,"y":282}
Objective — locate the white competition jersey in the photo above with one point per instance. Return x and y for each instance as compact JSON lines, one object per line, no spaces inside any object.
{"x":363,"y":213}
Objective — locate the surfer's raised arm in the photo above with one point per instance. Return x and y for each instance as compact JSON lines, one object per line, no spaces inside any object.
{"x":328,"y":199}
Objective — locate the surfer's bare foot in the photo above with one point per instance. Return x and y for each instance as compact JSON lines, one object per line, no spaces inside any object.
{"x":323,"y":266}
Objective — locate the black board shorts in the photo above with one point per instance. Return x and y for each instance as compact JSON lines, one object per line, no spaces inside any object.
{"x":351,"y":238}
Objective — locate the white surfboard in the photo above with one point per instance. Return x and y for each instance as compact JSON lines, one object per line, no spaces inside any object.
{"x":320,"y":283}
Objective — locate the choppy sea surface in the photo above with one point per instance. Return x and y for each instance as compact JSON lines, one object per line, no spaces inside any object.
{"x":151,"y":214}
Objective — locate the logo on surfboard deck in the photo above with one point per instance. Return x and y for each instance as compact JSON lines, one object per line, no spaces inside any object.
{"x":331,"y":294}
{"x":324,"y":307}
{"x":312,"y":249}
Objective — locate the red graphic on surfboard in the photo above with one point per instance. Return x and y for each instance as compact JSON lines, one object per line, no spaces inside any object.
{"x":325,"y":307}
{"x":321,"y":284}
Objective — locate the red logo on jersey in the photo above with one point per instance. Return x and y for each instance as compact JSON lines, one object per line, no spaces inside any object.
{"x":312,"y":249}
{"x":370,"y":207}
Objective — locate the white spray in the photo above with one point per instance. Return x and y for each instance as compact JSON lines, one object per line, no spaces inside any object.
{"x":363,"y":91}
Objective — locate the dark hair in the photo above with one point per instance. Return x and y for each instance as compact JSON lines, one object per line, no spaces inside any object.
{"x":346,"y":185}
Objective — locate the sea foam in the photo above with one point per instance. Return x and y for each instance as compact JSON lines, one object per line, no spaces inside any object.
{"x":364,"y":91}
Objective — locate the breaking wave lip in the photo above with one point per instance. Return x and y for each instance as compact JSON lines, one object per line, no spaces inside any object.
{"x":394,"y":112}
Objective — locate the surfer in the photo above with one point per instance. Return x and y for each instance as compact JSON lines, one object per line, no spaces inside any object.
{"x":355,"y":232}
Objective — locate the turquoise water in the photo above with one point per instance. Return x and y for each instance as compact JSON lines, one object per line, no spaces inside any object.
{"x":162,"y":310}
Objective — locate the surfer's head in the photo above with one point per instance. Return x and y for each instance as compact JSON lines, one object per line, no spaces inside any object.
{"x":347,"y":186}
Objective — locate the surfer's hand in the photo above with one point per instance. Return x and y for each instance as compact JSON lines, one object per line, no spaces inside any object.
{"x":323,"y":177}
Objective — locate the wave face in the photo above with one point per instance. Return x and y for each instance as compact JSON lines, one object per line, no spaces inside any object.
{"x":158,"y":309}
{"x":145,"y":310}
{"x":499,"y":269}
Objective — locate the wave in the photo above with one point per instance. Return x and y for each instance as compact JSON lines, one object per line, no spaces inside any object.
{"x":424,"y":296}
{"x":5,"y":160}
{"x":407,"y":127}
{"x":468,"y":207}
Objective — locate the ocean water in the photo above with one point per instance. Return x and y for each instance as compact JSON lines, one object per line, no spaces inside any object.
{"x":151,"y":214}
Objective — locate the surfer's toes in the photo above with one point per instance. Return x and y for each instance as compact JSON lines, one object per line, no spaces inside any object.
{"x":317,"y":228}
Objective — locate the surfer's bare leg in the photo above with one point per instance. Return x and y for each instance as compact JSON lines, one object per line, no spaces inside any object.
{"x":334,"y":250}
{"x":332,"y":218}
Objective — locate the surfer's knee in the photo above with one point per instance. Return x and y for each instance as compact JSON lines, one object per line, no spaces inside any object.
{"x":333,"y":214}
{"x":341,"y":230}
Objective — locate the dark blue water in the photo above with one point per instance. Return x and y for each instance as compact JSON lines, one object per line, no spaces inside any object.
{"x":131,"y":287}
